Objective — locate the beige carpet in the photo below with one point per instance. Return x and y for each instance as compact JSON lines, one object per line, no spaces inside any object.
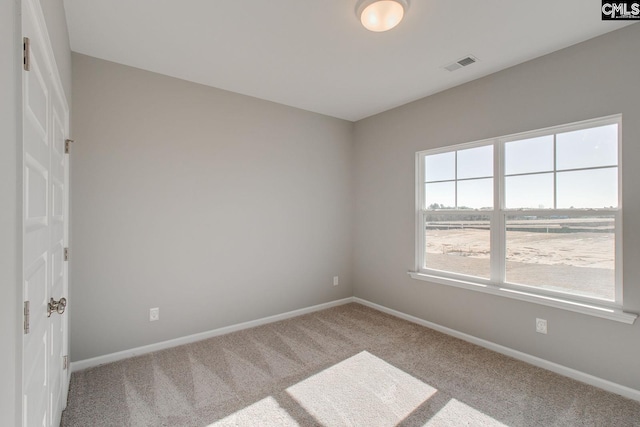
{"x":345,"y":366}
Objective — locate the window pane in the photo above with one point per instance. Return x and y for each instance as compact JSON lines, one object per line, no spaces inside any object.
{"x":441,"y":195}
{"x":569,"y":254}
{"x":529,"y":155}
{"x":594,"y":188}
{"x":475,"y":194}
{"x":588,"y":148}
{"x":458,"y":244}
{"x":475,"y":162}
{"x":440,"y":167}
{"x":529,"y":191}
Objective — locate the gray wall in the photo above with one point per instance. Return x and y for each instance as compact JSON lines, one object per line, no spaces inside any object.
{"x":593,"y":79}
{"x":216,"y":207}
{"x":10,"y":259}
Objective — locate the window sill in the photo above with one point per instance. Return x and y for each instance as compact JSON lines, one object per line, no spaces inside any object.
{"x":584,"y":308}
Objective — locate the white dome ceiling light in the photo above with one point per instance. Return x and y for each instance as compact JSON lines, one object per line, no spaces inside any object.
{"x":381,"y":15}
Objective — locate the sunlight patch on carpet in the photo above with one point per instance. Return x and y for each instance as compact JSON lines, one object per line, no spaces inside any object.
{"x":362,"y":390}
{"x":266,"y":412}
{"x":456,"y":413}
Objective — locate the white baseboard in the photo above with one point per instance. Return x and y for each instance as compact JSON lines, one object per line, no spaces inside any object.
{"x":114,"y":357}
{"x":533,"y":360}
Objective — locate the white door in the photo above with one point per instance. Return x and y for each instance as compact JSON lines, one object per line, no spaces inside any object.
{"x":45,"y":207}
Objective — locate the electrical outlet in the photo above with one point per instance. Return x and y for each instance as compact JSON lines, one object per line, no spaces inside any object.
{"x":541,"y":326}
{"x":336,"y":282}
{"x":154,"y":314}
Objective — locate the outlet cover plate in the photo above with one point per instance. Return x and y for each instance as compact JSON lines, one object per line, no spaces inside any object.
{"x":541,"y":326}
{"x":154,"y":314}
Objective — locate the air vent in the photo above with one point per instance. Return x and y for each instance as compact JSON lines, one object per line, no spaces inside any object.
{"x":464,"y":62}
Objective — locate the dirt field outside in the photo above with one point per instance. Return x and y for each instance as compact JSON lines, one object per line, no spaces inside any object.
{"x":566,"y":255}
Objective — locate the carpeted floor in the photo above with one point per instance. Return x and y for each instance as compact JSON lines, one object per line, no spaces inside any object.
{"x":345,"y":366}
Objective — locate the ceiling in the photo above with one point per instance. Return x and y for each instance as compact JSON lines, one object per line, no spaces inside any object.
{"x":315,"y":55}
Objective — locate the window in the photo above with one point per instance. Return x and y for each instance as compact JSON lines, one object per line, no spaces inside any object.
{"x":535,"y":216}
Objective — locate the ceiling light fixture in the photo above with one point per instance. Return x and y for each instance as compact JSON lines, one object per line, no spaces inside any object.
{"x":381,"y":15}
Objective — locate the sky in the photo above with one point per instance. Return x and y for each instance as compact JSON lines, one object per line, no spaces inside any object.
{"x":529,"y":172}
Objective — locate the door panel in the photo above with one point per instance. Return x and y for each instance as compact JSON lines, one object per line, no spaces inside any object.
{"x":45,"y":228}
{"x":36,"y":238}
{"x":36,"y":182}
{"x":36,"y":93}
{"x":35,"y":348}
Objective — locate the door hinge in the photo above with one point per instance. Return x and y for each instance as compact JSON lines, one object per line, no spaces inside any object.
{"x":67,"y":145}
{"x":26,"y":317}
{"x":66,"y":254}
{"x":26,"y":53}
{"x":65,"y":362}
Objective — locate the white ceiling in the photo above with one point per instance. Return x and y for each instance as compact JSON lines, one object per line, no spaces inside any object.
{"x":315,"y":55}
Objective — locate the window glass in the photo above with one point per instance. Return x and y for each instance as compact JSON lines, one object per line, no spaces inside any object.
{"x":475,"y":194}
{"x":440,"y":167}
{"x":441,"y":195}
{"x":591,"y":188}
{"x":567,"y":254}
{"x":529,"y":155}
{"x":475,"y":162}
{"x":458,"y":244}
{"x":588,"y":148}
{"x":529,"y":191}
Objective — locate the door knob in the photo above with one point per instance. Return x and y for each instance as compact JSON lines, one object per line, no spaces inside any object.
{"x":56,"y":306}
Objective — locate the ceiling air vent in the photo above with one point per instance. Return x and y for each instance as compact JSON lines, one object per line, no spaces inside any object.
{"x":467,"y":60}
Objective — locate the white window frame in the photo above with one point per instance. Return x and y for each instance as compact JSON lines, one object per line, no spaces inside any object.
{"x":497,"y":284}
